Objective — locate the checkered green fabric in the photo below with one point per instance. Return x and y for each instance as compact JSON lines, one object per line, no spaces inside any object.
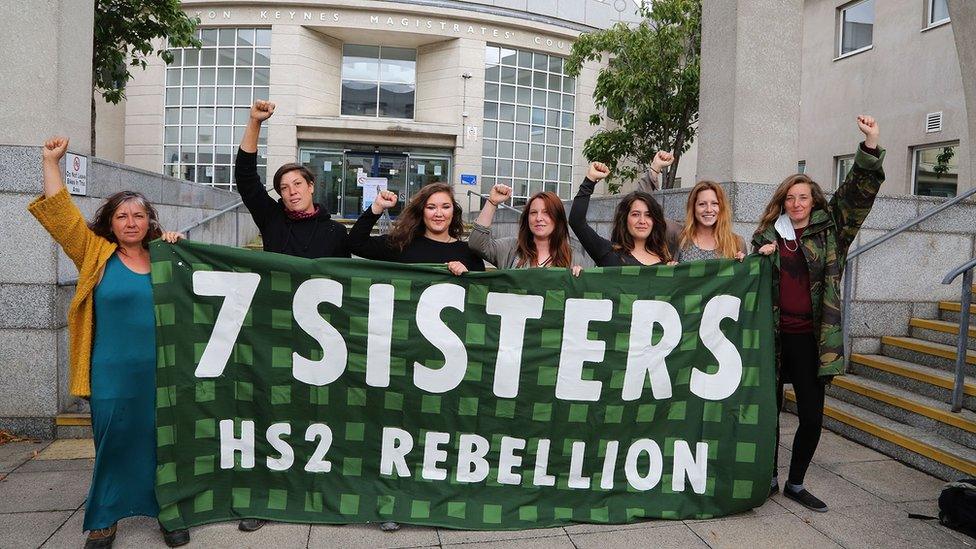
{"x":257,"y":385}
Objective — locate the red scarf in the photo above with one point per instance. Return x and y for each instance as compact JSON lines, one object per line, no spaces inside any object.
{"x":298,"y":216}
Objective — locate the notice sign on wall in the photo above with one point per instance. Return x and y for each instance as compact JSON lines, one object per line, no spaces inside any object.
{"x":76,"y":173}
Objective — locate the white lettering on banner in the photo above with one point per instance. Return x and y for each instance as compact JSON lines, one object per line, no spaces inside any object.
{"x":645,"y":359}
{"x":317,"y":463}
{"x":238,"y":291}
{"x":432,"y":301}
{"x":514,"y":310}
{"x":577,"y":348}
{"x":287,"y":454}
{"x":229,"y":444}
{"x":472,"y":465}
{"x":379,"y":326}
{"x":305,"y":308}
{"x":723,"y":383}
{"x":508,"y":460}
{"x":654,"y":468}
{"x":693,"y":467}
{"x":471,"y":458}
{"x":396,"y":444}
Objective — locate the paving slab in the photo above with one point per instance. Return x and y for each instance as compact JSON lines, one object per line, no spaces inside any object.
{"x":49,"y":491}
{"x":675,"y":535}
{"x":834,"y":449}
{"x":561,"y":541}
{"x":29,"y":529}
{"x":225,"y":535}
{"x":70,"y":533}
{"x":834,"y":490}
{"x":594,"y":528}
{"x":13,"y":454}
{"x":369,"y":536}
{"x":477,"y":536}
{"x":770,"y":507}
{"x":788,"y":423}
{"x":891,"y":480}
{"x":47,"y":465}
{"x":773,"y":532}
{"x":884,"y":525}
{"x":69,"y":448}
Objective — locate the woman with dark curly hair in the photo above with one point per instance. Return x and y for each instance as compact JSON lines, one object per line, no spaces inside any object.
{"x":112,"y":344}
{"x":428,"y":230}
{"x":640,"y":234}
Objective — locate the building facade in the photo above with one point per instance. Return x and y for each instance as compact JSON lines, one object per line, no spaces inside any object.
{"x":373,"y":92}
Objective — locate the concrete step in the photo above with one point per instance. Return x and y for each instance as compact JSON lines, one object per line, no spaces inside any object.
{"x":906,"y":407}
{"x":915,"y":378}
{"x":927,"y":353}
{"x":914,"y":446}
{"x":949,"y":310}
{"x":72,"y":426}
{"x":941,"y":331}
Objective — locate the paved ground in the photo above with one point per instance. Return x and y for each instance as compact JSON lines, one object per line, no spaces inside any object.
{"x":42,"y":498}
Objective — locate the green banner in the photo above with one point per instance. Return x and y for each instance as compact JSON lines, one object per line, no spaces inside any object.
{"x":342,"y":391}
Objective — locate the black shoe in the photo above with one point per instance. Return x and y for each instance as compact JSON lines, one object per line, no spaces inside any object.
{"x":390,"y":526}
{"x":175,"y":538}
{"x":806,"y":499}
{"x":250,"y":524}
{"x":773,"y":489}
{"x":104,"y":541}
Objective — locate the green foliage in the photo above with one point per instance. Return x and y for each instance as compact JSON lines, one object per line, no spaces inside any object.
{"x":648,"y":91}
{"x":942,"y":161}
{"x":124,"y":35}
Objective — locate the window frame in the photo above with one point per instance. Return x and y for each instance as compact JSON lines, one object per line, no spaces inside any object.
{"x":929,"y":11}
{"x":839,"y":52}
{"x":840,"y":174}
{"x":378,"y":83}
{"x":915,"y":150}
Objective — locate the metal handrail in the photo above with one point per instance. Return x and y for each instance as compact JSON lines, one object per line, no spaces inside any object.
{"x":237,"y":223}
{"x":503,"y":205}
{"x":966,"y":270}
{"x":855,"y":253}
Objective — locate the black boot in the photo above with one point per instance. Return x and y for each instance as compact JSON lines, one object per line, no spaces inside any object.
{"x":175,"y":538}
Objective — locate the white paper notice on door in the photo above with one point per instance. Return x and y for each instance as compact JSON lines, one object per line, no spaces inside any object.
{"x":327,"y":166}
{"x":437,"y":169}
{"x":421,"y":169}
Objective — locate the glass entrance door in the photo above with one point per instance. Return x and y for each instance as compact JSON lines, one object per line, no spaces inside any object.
{"x":327,"y":167}
{"x":391,"y":167}
{"x":427,"y":169}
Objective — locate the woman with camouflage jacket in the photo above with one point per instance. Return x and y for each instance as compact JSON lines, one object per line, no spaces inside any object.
{"x":808,"y":237}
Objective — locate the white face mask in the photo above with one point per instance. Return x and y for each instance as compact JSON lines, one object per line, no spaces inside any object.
{"x":784,"y":227}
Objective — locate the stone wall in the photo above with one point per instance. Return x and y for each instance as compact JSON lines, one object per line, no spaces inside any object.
{"x":37,"y":279}
{"x":893,"y":282}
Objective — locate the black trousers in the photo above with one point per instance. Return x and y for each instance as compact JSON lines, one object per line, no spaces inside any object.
{"x":799,"y":364}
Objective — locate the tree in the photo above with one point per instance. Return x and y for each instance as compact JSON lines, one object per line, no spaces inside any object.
{"x":648,"y":90}
{"x":124,"y":34}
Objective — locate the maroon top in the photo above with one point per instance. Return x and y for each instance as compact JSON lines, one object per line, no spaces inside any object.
{"x":796,"y":308}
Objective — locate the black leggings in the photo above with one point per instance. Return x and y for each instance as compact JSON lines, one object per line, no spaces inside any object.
{"x":799,"y":365}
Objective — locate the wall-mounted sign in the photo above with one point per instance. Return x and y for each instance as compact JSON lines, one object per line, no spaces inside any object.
{"x":469,"y":179}
{"x":76,"y":173}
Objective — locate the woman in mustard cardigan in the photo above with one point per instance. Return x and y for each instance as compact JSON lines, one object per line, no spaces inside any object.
{"x":112,"y":344}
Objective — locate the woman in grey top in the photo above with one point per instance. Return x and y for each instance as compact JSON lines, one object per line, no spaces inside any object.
{"x":707,"y":233}
{"x":543,"y":234}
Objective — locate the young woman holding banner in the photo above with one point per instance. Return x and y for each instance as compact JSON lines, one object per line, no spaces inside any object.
{"x":640,"y":234}
{"x":543,"y":234}
{"x":707,"y":233}
{"x":808,"y":237}
{"x":112,"y":344}
{"x":428,"y":230}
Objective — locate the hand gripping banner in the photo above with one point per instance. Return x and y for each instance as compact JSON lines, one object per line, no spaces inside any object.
{"x":342,"y":391}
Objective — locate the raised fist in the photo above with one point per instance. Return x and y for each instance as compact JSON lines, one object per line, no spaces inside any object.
{"x":869,"y":127}
{"x":262,"y":110}
{"x":662,"y":160}
{"x":384,"y":200}
{"x":54,"y":148}
{"x":499,"y":193}
{"x":597,"y":171}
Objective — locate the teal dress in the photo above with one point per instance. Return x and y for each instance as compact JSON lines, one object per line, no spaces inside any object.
{"x":123,"y":401}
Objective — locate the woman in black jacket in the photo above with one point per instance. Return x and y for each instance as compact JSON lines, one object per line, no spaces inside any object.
{"x":640,"y":233}
{"x":293,"y":225}
{"x":429,"y":230}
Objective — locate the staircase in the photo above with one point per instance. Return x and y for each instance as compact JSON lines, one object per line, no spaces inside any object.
{"x":898,"y":401}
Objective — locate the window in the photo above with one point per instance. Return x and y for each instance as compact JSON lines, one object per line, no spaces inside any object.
{"x":529,"y":116}
{"x":801,"y":166}
{"x":208,"y":101}
{"x":856,"y":27}
{"x":938,"y":12}
{"x":935,"y":170}
{"x":842,"y":166}
{"x":378,"y":81}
